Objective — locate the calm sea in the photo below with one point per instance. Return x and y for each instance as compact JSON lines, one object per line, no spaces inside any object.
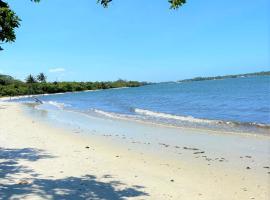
{"x":240,"y":104}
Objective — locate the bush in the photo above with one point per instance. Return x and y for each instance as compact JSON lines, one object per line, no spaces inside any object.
{"x":11,"y":87}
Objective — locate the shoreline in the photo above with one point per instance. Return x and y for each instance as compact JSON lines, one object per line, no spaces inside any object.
{"x":215,"y":125}
{"x":90,"y":160}
{"x":215,"y":131}
{"x":51,"y":94}
{"x":212,"y":131}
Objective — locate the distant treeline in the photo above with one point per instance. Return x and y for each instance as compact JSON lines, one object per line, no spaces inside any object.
{"x":226,"y":76}
{"x":12,"y":87}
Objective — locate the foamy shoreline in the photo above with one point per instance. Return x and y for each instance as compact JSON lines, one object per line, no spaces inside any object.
{"x":43,"y":162}
{"x":170,"y":120}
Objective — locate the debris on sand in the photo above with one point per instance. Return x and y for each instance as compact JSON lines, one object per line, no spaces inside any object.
{"x":165,"y":145}
{"x":190,"y":148}
{"x":198,"y":152}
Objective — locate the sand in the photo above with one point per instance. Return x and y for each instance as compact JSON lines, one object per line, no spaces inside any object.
{"x":38,"y":161}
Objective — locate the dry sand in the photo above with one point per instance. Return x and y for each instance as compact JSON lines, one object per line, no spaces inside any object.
{"x":38,"y":161}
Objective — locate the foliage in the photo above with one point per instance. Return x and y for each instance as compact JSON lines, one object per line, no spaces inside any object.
{"x":7,"y":80}
{"x":30,"y":79}
{"x":41,"y":77}
{"x":12,"y":87}
{"x":227,"y":76}
{"x":9,"y":21}
{"x":174,"y":3}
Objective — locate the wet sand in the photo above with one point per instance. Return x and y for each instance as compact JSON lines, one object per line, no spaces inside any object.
{"x":124,"y":160}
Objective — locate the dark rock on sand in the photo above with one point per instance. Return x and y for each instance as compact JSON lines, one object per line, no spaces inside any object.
{"x":165,"y":145}
{"x":192,"y":149}
{"x":198,"y":152}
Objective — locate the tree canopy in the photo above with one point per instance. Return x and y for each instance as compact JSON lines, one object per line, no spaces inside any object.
{"x":9,"y":21}
{"x":41,"y":77}
{"x":30,"y":79}
{"x":12,"y":87}
{"x":174,"y":4}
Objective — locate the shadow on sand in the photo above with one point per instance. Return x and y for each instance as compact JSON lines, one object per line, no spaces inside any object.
{"x":85,"y":187}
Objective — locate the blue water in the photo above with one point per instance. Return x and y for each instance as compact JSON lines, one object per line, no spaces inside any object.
{"x":235,"y":104}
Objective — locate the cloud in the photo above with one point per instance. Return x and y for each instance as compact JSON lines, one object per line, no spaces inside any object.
{"x":57,"y":70}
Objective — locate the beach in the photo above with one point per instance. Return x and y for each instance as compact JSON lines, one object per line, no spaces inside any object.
{"x":42,"y":161}
{"x":101,"y":100}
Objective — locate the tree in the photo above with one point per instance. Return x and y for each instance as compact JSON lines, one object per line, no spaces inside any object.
{"x":30,"y":79}
{"x":174,"y":3}
{"x":9,"y":21}
{"x":41,"y":77}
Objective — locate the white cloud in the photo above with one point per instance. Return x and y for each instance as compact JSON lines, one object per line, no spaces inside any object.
{"x":57,"y":70}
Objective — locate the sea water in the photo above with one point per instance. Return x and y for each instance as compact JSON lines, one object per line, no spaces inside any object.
{"x":235,"y":105}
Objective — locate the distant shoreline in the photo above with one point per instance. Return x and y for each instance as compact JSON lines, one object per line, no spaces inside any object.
{"x":51,"y":94}
{"x":264,"y":73}
{"x":11,"y":87}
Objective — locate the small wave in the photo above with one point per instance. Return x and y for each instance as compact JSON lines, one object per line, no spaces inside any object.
{"x":175,"y":117}
{"x":249,"y":124}
{"x":117,"y":115}
{"x":107,"y":114}
{"x":55,"y":104}
{"x":186,"y":121}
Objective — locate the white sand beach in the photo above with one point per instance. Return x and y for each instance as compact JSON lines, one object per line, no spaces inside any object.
{"x":39,"y":161}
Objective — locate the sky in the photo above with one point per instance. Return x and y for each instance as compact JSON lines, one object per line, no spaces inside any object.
{"x":138,"y":40}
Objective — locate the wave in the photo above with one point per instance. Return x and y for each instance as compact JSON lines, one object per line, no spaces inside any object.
{"x":54,"y":104}
{"x":57,"y":104}
{"x":143,"y":115}
{"x":185,"y":121}
{"x":175,"y":117}
{"x":191,"y":119}
{"x":249,"y":124}
{"x":108,"y":114}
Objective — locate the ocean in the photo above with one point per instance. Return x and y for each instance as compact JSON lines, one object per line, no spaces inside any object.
{"x":234,"y":105}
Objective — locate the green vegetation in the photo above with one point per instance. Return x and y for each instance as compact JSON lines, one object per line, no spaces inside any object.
{"x":227,"y":76}
{"x":41,"y":78}
{"x":32,"y":85}
{"x":30,"y":79}
{"x":174,"y":4}
{"x":9,"y":21}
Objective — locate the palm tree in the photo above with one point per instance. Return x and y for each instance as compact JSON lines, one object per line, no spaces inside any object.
{"x":30,"y":79}
{"x":41,"y":77}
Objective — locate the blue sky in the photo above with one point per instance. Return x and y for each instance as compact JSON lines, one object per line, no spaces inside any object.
{"x":138,"y":40}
